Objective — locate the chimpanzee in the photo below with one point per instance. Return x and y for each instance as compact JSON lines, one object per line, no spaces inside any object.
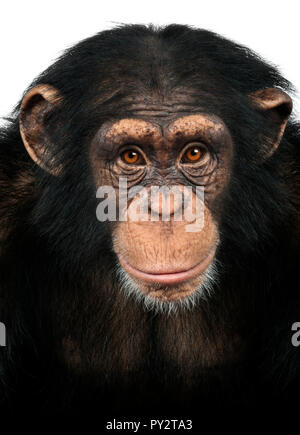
{"x":118,"y":313}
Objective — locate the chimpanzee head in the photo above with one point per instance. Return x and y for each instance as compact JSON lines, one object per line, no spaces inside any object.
{"x":154,"y":109}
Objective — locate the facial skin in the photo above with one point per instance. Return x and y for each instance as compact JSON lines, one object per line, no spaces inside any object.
{"x":161,"y":259}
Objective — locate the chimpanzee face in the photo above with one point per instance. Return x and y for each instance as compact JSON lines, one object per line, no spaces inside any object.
{"x":165,"y":144}
{"x":161,"y":258}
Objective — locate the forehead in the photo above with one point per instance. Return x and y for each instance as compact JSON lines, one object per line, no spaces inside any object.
{"x":161,"y":107}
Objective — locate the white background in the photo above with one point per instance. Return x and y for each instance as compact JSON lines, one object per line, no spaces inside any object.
{"x":33,"y":33}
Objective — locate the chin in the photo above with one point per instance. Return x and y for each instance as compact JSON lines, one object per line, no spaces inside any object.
{"x":164,"y":297}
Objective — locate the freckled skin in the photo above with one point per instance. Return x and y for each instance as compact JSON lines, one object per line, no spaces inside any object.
{"x":154,"y":246}
{"x":133,"y":128}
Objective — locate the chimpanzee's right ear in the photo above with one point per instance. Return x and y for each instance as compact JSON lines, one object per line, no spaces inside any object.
{"x":36,"y":105}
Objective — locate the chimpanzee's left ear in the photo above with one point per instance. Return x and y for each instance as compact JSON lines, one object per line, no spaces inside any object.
{"x":278,"y":106}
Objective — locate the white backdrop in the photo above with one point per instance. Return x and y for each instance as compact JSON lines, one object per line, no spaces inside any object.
{"x":33,"y":33}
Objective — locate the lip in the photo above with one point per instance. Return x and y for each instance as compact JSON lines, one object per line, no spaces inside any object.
{"x":168,"y":278}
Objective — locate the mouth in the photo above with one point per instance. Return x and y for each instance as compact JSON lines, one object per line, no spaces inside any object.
{"x":168,"y":275}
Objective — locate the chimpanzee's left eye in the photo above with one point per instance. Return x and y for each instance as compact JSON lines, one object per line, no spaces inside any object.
{"x":193,"y":153}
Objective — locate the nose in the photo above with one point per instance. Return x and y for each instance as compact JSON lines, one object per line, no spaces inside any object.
{"x":165,"y":201}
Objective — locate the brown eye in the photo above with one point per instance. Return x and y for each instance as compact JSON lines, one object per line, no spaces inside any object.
{"x":131,"y":157}
{"x":193,"y":154}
